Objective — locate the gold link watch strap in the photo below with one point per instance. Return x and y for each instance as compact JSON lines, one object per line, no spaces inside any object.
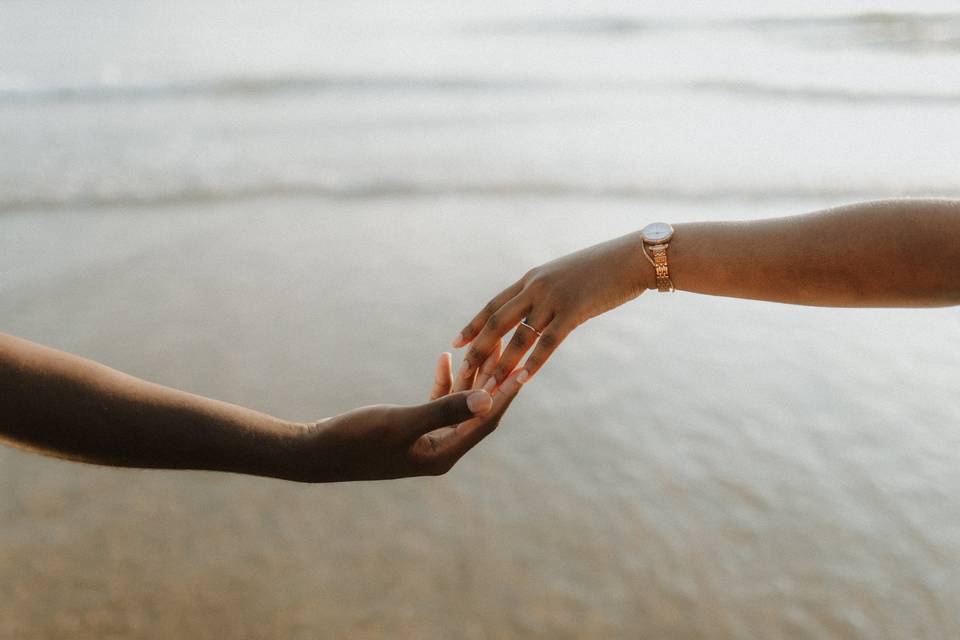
{"x":658,"y":255}
{"x":656,"y":238}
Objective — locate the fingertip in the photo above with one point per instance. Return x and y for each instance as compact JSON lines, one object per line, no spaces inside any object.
{"x":523,"y":376}
{"x":442,"y":367}
{"x":479,"y":402}
{"x":441,"y":377}
{"x":459,"y":341}
{"x":481,"y":380}
{"x":511,"y":386}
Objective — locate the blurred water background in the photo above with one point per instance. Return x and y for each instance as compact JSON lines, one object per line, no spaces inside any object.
{"x":295,"y":205}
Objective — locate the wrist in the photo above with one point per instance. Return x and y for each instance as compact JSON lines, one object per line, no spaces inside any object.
{"x":276,"y":450}
{"x":641,"y":273}
{"x":312,"y":452}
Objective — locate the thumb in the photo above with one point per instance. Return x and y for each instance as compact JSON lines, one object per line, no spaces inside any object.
{"x":448,"y":410}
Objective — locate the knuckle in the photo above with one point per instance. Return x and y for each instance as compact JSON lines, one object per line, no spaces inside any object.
{"x":519,"y":339}
{"x":493,"y":322}
{"x":535,"y":285}
{"x":549,"y":340}
{"x":540,"y":284}
{"x":473,"y":355}
{"x":491,"y":306}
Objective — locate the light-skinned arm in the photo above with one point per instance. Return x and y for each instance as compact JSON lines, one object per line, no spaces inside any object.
{"x":894,"y":253}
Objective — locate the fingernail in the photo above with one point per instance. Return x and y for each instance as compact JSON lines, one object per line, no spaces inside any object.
{"x":523,"y":376}
{"x":510,"y":386}
{"x":479,"y":402}
{"x":464,"y":369}
{"x":490,"y":384}
{"x":458,"y":341}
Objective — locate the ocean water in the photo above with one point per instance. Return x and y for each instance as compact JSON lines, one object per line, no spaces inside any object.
{"x":295,"y":206}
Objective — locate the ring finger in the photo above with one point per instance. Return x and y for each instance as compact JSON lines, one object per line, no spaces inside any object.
{"x":524,"y":337}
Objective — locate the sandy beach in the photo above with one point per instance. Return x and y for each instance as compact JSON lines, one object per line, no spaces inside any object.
{"x":793,"y":478}
{"x":308,"y":245}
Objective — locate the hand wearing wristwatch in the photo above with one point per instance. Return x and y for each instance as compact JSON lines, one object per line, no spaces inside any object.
{"x":656,"y":238}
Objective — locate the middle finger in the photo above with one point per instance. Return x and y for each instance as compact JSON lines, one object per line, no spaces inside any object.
{"x":498,"y":324}
{"x":525,"y":336}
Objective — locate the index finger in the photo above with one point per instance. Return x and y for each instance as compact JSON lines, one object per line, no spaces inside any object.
{"x":503,"y":320}
{"x":473,"y":327}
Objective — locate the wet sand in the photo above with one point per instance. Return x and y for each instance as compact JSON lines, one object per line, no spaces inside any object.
{"x":792,"y":472}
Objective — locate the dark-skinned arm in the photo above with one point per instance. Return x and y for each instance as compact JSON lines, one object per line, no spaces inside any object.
{"x":63,"y":405}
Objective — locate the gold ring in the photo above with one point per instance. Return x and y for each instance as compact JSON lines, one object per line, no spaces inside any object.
{"x":523,"y":323}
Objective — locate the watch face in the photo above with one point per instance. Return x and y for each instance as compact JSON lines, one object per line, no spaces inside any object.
{"x":657,"y":232}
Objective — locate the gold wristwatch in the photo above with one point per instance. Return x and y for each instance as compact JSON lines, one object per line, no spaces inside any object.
{"x":656,"y":238}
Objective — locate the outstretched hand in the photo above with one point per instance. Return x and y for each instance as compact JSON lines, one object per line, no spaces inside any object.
{"x":383,"y":441}
{"x":548,"y":303}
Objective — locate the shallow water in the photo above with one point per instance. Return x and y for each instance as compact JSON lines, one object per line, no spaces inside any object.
{"x":297,"y":210}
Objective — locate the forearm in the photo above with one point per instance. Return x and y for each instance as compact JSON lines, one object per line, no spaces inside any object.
{"x":74,"y":408}
{"x":883,"y":254}
{"x":891,"y":253}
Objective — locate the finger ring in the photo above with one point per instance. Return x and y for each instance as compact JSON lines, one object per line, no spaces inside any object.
{"x":524,"y":323}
